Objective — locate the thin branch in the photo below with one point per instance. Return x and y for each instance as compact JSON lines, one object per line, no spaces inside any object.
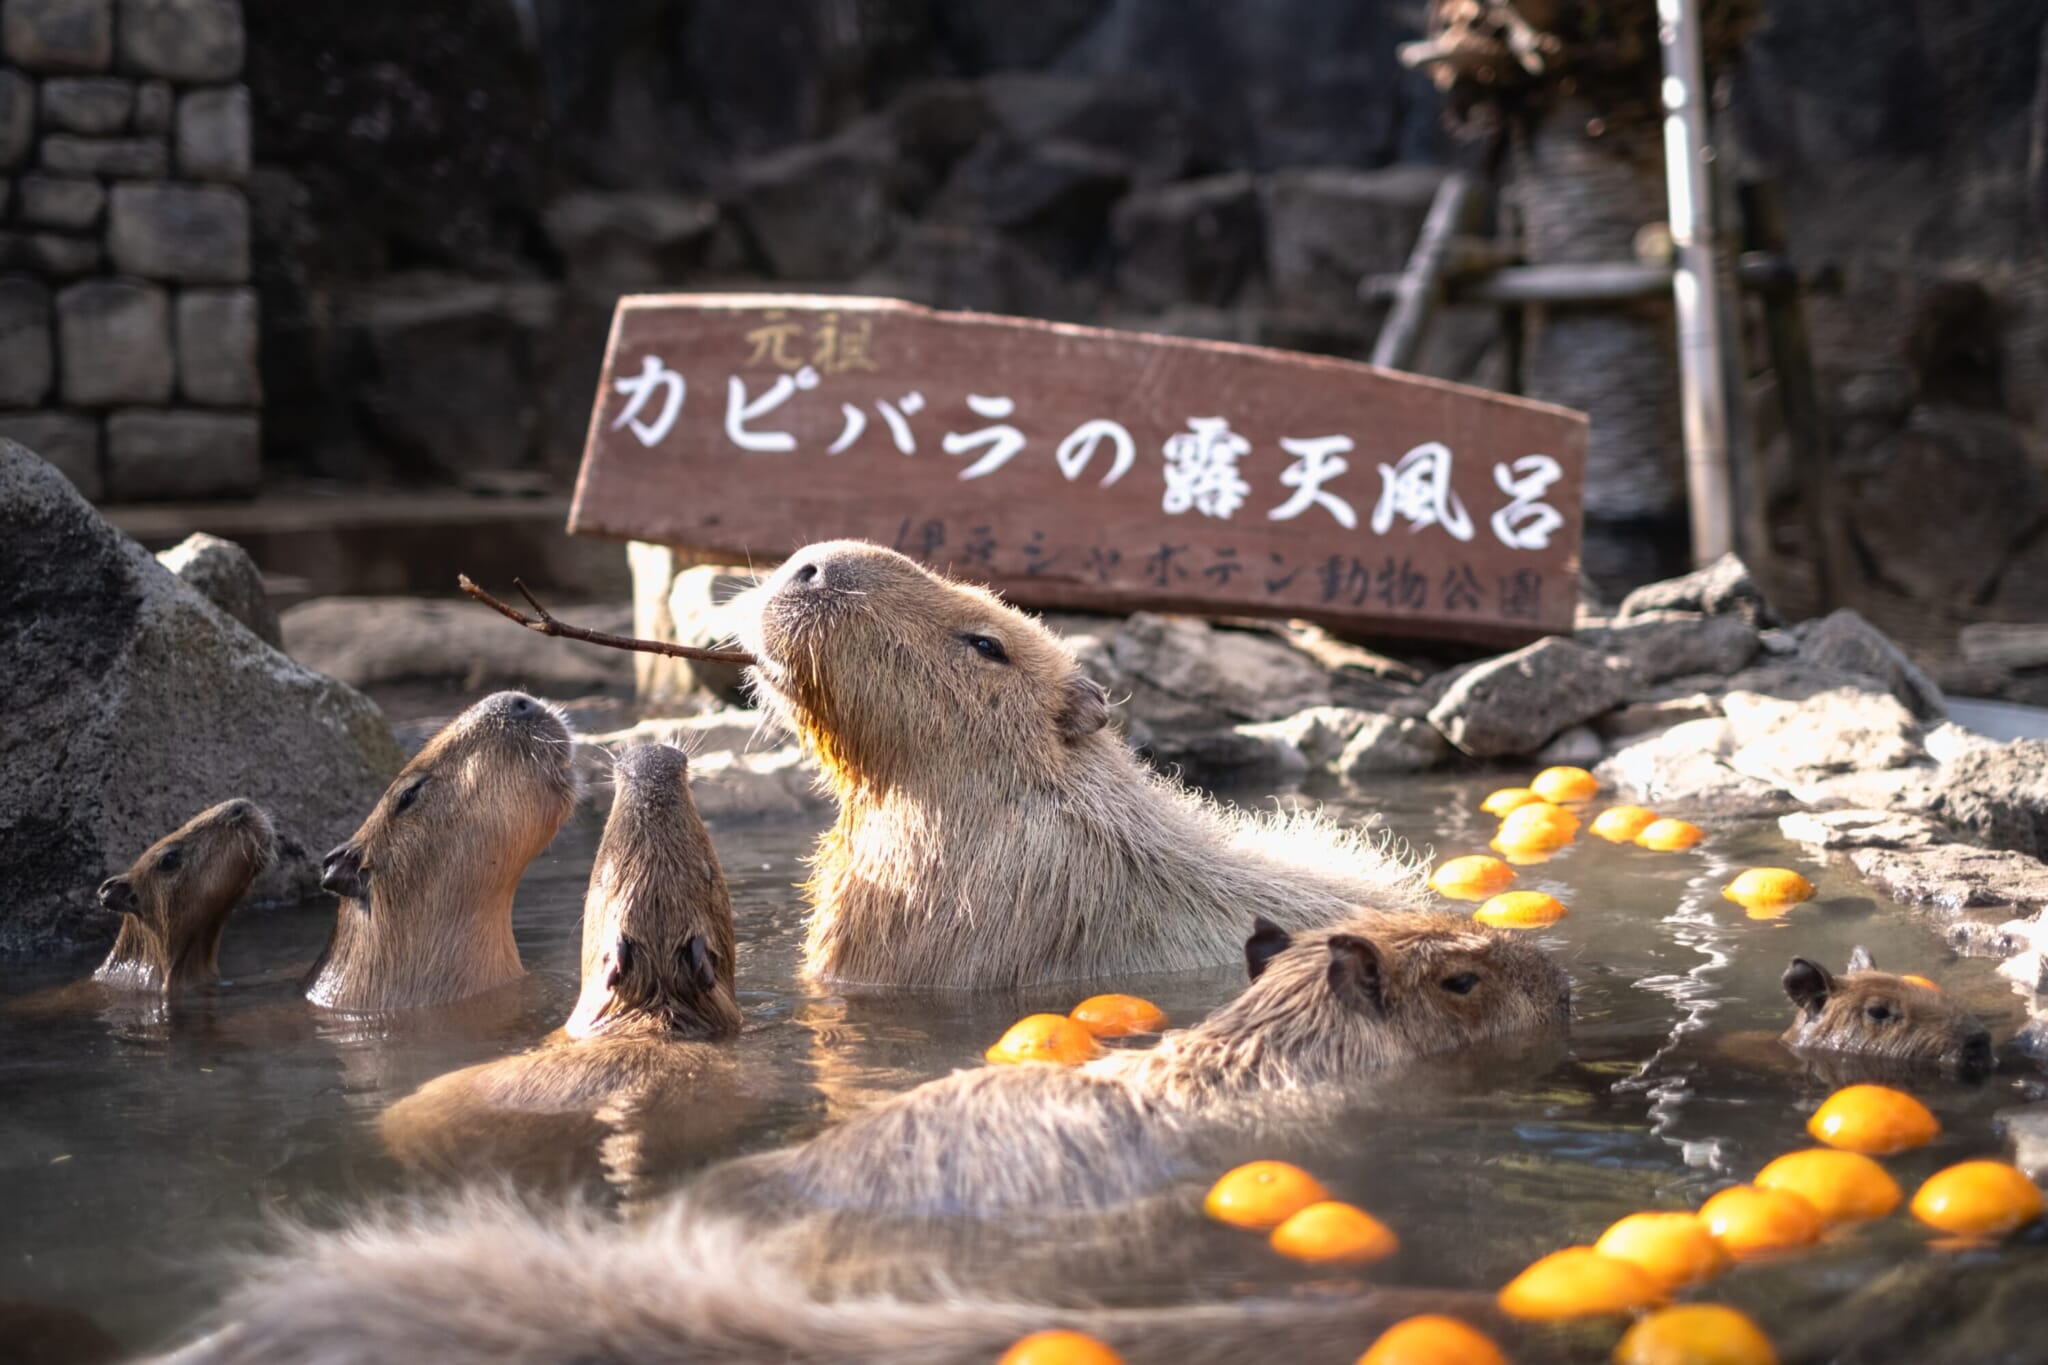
{"x":562,"y":630}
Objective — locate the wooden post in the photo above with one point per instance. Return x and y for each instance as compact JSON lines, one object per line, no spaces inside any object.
{"x":1703,"y":322}
{"x":1421,"y":285}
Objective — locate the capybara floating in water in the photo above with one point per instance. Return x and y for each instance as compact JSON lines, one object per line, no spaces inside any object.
{"x":658,"y":956}
{"x":1886,"y":1018}
{"x":426,"y":884}
{"x":991,"y":830}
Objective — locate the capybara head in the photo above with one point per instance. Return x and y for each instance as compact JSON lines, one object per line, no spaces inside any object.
{"x":174,"y":900}
{"x":477,"y":804}
{"x":1877,"y":1014}
{"x":890,"y":672}
{"x":658,"y":944}
{"x":1383,"y":989}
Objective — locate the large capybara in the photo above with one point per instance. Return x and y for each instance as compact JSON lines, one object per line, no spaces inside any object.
{"x":426,"y":884}
{"x":658,"y":955}
{"x":1326,"y":1009}
{"x":1881,"y":1017}
{"x":992,"y":831}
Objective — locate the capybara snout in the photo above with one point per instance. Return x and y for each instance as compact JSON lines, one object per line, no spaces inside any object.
{"x":341,"y":872}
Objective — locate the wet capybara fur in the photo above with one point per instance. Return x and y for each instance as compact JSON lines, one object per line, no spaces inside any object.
{"x":1325,"y":1011}
{"x":426,"y":884}
{"x":993,"y":830}
{"x":1883,"y":1017}
{"x":658,"y":955}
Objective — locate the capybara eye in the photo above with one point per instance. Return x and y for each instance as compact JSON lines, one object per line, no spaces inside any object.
{"x":170,"y":859}
{"x":1461,"y":984}
{"x":1878,"y":1014}
{"x":409,"y":795}
{"x":988,"y":648}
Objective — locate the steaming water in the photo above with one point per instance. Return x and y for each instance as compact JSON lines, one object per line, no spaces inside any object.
{"x":132,"y":1155}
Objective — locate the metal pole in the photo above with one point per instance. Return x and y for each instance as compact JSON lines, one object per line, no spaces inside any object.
{"x":1702,"y":319}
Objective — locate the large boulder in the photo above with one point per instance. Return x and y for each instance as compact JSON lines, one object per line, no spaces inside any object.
{"x":132,"y":703}
{"x":223,"y":573}
{"x":1516,"y":703}
{"x":1999,"y":795}
{"x":373,"y":641}
{"x":1722,"y":588}
{"x":1844,"y":641}
{"x":1185,"y":676}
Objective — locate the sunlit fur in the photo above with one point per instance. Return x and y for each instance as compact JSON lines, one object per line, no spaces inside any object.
{"x":992,"y":831}
{"x":170,"y":939}
{"x":436,"y":925}
{"x":482,"y":1281}
{"x":1878,"y":1015}
{"x":1012,"y":1139}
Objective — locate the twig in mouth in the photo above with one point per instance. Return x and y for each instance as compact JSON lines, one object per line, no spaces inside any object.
{"x":562,"y":630}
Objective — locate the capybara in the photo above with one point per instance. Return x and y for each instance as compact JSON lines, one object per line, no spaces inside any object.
{"x":426,"y":884}
{"x":992,"y":830}
{"x":1881,"y":1016}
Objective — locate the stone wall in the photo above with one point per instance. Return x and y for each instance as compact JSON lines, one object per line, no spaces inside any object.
{"x":128,"y":326}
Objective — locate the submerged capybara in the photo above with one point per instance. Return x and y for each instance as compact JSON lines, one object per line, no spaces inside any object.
{"x":1325,"y":1010}
{"x":426,"y":884}
{"x":1882,"y":1017}
{"x":658,"y":963}
{"x":992,"y":831}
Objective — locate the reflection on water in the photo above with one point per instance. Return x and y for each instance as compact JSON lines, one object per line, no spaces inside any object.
{"x":131,"y":1154}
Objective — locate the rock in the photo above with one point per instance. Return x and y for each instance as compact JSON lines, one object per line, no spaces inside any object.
{"x":1578,"y":747}
{"x":183,"y":40}
{"x":133,"y":703}
{"x":134,"y":158}
{"x":87,"y":104}
{"x":1134,"y":119}
{"x":212,"y":139}
{"x":1326,"y":228}
{"x":820,"y":210}
{"x":1054,"y":195}
{"x":1668,"y":645}
{"x":696,"y":609}
{"x":167,"y":455}
{"x":1723,"y":588}
{"x":223,"y":573}
{"x":623,"y":242}
{"x":27,"y":364}
{"x":1843,"y":640}
{"x":370,"y":641}
{"x":1838,"y":830}
{"x":1685,"y":769}
{"x":779,"y":784}
{"x":1643,"y":717}
{"x":1955,"y":877}
{"x":61,"y":201}
{"x":1319,"y":733}
{"x":217,"y":334}
{"x":1392,"y":744}
{"x":58,"y":35}
{"x":114,"y":339}
{"x":1185,"y":676}
{"x":1241,"y":754}
{"x":155,"y":104}
{"x":1795,"y":741}
{"x":17,"y":117}
{"x":1998,"y":795}
{"x":196,"y":234}
{"x":1193,"y":241}
{"x":1516,"y":703}
{"x":2025,"y":1128}
{"x":974,"y":268}
{"x":49,"y":253}
{"x":67,"y":441}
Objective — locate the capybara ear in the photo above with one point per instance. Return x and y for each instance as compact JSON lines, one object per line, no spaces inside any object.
{"x":622,"y":963}
{"x":1809,"y":985}
{"x":1085,"y":708}
{"x":698,"y":963}
{"x":1355,"y":973}
{"x":1267,"y":942}
{"x":1860,"y":960}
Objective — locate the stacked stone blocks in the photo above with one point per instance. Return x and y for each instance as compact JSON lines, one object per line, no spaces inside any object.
{"x":128,"y":327}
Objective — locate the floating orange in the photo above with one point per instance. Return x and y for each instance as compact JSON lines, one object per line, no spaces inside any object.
{"x":1473,"y":878}
{"x":1506,"y":799}
{"x":1117,"y":1016}
{"x":1773,"y":887}
{"x":1060,"y":1347}
{"x":1565,"y":784}
{"x":1335,"y":1233}
{"x":1873,"y":1119}
{"x":1621,"y":824}
{"x":1674,"y":1249}
{"x":1521,"y":910}
{"x":1978,"y":1199}
{"x":1578,"y":1282}
{"x":1263,"y":1194}
{"x":1841,"y":1186}
{"x":1432,"y":1339}
{"x":1670,"y":836}
{"x":1920,"y":981}
{"x":1695,"y":1334}
{"x":1541,"y":826}
{"x":1753,"y":1222}
{"x":1044,"y":1038}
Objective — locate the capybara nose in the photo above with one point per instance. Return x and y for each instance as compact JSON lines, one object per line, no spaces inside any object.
{"x":521,"y":705}
{"x":117,"y":895}
{"x":1977,"y":1052}
{"x":342,"y":872}
{"x":237,"y":812}
{"x":805,"y":575}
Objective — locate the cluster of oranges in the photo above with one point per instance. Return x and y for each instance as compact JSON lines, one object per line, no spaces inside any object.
{"x":1072,"y":1038}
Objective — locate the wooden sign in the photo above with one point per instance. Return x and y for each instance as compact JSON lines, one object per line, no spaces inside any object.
{"x":1072,"y":467}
